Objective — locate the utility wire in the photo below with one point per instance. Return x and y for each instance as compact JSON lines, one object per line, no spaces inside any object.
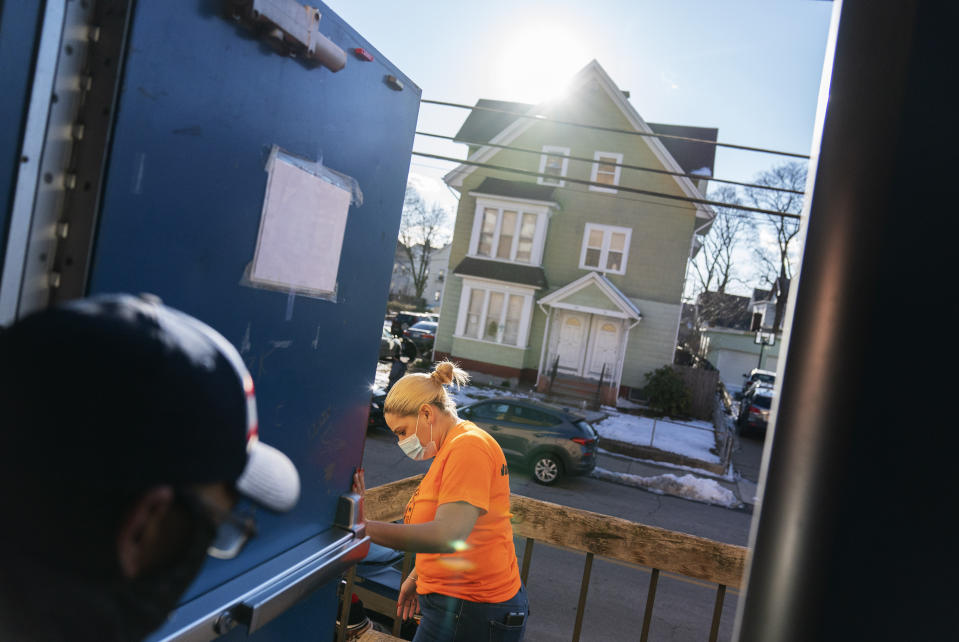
{"x":526,"y":150}
{"x":613,"y":129}
{"x":633,"y":190}
{"x":648,"y":201}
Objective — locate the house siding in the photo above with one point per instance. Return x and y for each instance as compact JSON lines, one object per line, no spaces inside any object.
{"x":650,"y":343}
{"x":484,"y":351}
{"x":448,"y":311}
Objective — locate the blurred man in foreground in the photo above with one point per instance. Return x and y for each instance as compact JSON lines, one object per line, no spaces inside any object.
{"x":127,"y":432}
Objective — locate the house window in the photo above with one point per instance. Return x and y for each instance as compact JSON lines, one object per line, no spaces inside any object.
{"x":436,"y":295}
{"x":507,"y":234}
{"x":527,"y":232}
{"x":605,"y":248}
{"x":606,"y":170}
{"x":495,"y":315}
{"x":553,"y":162}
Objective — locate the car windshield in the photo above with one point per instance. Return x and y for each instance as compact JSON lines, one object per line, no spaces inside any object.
{"x":427,"y":326}
{"x":765,"y":378}
{"x":762,"y":401}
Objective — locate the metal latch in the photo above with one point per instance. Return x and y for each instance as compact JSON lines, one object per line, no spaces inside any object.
{"x":291,"y":28}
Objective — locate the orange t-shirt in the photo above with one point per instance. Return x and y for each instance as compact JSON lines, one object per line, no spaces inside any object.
{"x":469,"y":467}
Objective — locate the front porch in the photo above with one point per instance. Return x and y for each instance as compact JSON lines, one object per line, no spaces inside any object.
{"x":584,"y":347}
{"x":578,"y":391}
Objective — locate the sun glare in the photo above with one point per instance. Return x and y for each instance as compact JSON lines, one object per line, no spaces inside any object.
{"x":538,"y":60}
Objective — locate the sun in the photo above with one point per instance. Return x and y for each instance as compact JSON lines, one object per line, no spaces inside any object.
{"x":537,"y":61}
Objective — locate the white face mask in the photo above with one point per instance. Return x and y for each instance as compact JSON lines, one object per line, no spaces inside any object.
{"x":413,"y":447}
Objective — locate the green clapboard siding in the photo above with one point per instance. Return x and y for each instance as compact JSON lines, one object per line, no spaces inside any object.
{"x":591,"y":297}
{"x":486,"y":352}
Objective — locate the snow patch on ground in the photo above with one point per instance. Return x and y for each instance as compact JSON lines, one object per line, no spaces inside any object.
{"x":693,"y":439}
{"x":688,"y":486}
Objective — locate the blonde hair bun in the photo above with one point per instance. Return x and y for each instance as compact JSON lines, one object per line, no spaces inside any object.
{"x":446,"y":372}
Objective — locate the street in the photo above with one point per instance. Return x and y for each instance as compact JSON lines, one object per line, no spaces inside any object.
{"x":617,"y":592}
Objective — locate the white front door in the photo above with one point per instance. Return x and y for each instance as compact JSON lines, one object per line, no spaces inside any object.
{"x":572,"y":339}
{"x":605,"y":350}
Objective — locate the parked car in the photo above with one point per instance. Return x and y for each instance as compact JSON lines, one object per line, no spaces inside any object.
{"x":386,"y":343}
{"x":754,"y":409}
{"x":377,"y":397}
{"x":757,"y":376}
{"x":550,"y":442}
{"x":422,"y":335}
{"x":401,"y":321}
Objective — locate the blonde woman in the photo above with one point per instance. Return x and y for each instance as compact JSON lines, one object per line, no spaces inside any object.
{"x":466,"y":580}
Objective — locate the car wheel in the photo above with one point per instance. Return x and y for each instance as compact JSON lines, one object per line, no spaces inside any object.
{"x":547,"y":469}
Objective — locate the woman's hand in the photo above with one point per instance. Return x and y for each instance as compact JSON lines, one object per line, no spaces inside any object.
{"x":359,"y":487}
{"x":359,"y":482}
{"x":407,"y":603}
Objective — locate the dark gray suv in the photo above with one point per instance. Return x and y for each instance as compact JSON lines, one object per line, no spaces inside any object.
{"x":550,"y":441}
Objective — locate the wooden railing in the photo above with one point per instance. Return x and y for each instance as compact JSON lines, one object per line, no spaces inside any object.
{"x":596,"y":534}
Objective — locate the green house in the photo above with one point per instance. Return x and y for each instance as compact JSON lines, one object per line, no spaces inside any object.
{"x":574,"y":265}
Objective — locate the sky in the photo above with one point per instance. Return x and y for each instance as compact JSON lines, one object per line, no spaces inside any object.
{"x":751,"y":68}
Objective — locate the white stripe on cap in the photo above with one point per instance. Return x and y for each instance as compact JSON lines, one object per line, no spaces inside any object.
{"x":269,"y":478}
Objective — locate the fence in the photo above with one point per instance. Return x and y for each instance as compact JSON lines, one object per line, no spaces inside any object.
{"x":595,"y":534}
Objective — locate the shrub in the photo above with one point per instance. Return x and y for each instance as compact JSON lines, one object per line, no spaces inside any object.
{"x":667,"y":392}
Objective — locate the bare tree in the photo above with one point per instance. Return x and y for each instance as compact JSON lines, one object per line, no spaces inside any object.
{"x":776,"y":258}
{"x":714,"y":268}
{"x":422,"y":229}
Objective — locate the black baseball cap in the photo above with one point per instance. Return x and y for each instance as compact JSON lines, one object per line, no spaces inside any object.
{"x":122,"y":391}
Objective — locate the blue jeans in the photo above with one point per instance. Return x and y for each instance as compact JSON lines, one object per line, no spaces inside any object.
{"x":449,"y":619}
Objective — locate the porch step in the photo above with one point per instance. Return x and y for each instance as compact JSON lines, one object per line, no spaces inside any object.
{"x":574,"y":386}
{"x":572,"y":402}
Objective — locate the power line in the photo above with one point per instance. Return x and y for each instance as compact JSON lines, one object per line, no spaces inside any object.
{"x":740,"y":215}
{"x":614,"y":129}
{"x":647,"y":201}
{"x":633,"y":190}
{"x":623,"y":165}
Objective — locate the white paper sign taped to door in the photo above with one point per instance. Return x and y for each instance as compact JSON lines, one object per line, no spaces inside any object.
{"x":301,"y":229}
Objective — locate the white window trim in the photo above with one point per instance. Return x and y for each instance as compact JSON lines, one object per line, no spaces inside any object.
{"x":552,"y":149}
{"x":539,"y":236}
{"x":526,"y":313}
{"x":595,"y":173}
{"x":607,"y":231}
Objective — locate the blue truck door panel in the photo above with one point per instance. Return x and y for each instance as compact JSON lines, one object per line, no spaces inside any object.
{"x":202,"y":101}
{"x":19,"y":27}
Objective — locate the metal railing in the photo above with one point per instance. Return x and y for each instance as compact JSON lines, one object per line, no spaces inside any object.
{"x":594,"y":534}
{"x":598,"y":401}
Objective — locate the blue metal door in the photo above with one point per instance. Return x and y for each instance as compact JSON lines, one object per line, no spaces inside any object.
{"x":202,"y":102}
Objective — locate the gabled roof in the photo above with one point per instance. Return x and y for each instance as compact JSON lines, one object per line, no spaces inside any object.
{"x":607,"y":299}
{"x":723,"y":310}
{"x":691,"y":156}
{"x":528,"y":275}
{"x":515,"y":189}
{"x":482,"y":126}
